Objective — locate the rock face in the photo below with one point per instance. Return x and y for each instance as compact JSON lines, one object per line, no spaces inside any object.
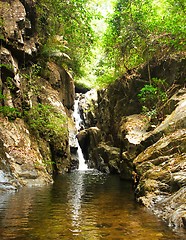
{"x":20,"y":155}
{"x":34,"y":141}
{"x":162,"y":166}
{"x":152,"y":155}
{"x":18,"y":27}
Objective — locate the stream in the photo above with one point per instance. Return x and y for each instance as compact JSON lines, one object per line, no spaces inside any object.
{"x":81,"y":205}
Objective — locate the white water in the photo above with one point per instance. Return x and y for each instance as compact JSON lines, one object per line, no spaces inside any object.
{"x":78,"y":122}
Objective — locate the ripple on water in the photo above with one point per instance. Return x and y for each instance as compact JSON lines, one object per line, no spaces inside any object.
{"x":81,"y":205}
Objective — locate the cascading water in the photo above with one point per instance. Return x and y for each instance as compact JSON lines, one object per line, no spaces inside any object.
{"x":78,"y":122}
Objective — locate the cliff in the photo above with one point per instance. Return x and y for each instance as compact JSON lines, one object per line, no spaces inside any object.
{"x":145,"y":147}
{"x":35,"y":103}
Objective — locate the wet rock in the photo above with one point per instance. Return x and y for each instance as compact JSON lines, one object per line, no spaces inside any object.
{"x":173,"y":208}
{"x":87,"y":106}
{"x":73,"y":144}
{"x":106,"y":158}
{"x":88,"y":140}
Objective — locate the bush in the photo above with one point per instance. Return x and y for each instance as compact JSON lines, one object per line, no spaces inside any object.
{"x":48,"y":123}
{"x":152,"y":96}
{"x":10,"y":112}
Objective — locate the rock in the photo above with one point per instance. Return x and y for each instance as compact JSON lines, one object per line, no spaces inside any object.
{"x":177,"y":118}
{"x":162,"y":168}
{"x":37,"y":155}
{"x":162,"y":171}
{"x":88,"y":140}
{"x":115,"y":102}
{"x":173,"y":208}
{"x":126,"y":167}
{"x":73,"y":142}
{"x":106,"y":158}
{"x":9,"y":65}
{"x":61,"y":80}
{"x":87,"y":106}
{"x":152,"y":156}
{"x":60,"y":145}
{"x":15,"y":25}
{"x":13,"y":14}
{"x":21,"y":160}
{"x":133,"y":128}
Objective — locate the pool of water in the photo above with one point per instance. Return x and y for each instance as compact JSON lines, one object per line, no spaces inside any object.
{"x":81,"y":205}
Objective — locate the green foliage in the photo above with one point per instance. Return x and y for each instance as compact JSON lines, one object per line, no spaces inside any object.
{"x":10,"y":83}
{"x":48,"y":123}
{"x":10,"y":112}
{"x":65,"y":31}
{"x":55,"y":47}
{"x":152,"y":96}
{"x":105,"y":78}
{"x":1,"y":28}
{"x":32,"y":72}
{"x":2,"y":96}
{"x":7,"y":66}
{"x":139,"y":30}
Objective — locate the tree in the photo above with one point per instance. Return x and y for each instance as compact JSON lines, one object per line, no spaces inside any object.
{"x":65,"y":31}
{"x":141,"y":29}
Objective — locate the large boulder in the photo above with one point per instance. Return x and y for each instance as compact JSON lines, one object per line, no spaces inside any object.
{"x":88,"y":141}
{"x":106,"y":158}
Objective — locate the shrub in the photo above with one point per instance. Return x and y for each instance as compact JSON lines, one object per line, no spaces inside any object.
{"x":10,"y":112}
{"x":152,"y":96}
{"x":48,"y":123}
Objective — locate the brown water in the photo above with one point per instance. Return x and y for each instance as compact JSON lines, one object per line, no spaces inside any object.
{"x":81,"y":205}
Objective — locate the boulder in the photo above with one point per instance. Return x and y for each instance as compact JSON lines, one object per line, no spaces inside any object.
{"x":106,"y":158}
{"x":133,"y":128}
{"x":88,"y":141}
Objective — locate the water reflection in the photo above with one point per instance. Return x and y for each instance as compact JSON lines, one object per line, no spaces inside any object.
{"x":81,"y":205}
{"x":75,"y":193}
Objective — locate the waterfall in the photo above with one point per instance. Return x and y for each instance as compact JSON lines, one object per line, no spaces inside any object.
{"x":78,"y":122}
